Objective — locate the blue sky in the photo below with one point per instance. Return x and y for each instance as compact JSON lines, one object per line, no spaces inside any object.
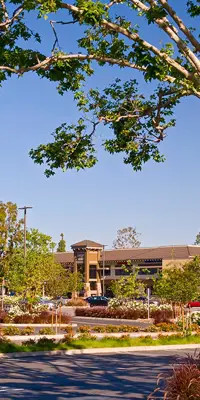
{"x":162,"y":201}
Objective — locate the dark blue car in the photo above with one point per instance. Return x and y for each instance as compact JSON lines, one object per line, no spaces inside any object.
{"x":97,"y":301}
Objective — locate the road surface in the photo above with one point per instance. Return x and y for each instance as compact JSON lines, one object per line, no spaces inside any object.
{"x":83,"y":377}
{"x":88,"y":321}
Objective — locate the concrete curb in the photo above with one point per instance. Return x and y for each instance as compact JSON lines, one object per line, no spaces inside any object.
{"x":106,"y":350}
{"x":37,"y":325}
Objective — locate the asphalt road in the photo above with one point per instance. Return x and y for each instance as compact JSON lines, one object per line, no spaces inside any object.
{"x":83,"y":377}
{"x":88,"y":321}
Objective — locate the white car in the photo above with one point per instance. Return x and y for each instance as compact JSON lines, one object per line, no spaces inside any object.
{"x":47,"y":303}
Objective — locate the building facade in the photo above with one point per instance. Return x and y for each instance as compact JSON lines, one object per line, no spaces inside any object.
{"x":100,"y":267}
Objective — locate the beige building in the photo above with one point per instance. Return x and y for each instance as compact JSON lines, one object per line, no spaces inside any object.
{"x":99,"y":266}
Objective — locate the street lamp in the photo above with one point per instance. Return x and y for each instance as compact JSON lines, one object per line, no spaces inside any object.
{"x":25,"y":208}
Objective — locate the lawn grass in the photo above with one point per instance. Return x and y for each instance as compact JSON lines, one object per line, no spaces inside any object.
{"x":109,"y":342}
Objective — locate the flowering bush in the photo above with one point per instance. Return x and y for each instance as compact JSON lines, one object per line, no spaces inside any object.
{"x":196,"y":318}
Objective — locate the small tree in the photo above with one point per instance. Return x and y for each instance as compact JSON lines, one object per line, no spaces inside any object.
{"x":62,"y":244}
{"x":128,"y":287}
{"x":179,"y":284}
{"x":126,"y":238}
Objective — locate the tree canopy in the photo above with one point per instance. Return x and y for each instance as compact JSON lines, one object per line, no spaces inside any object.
{"x":179,"y":283}
{"x":126,"y":238}
{"x":110,"y":33}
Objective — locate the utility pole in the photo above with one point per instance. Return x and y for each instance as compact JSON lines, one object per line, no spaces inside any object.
{"x":25,"y":208}
{"x":104,"y":269}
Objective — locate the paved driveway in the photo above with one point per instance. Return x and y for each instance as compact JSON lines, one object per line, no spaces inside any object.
{"x":85,"y":377}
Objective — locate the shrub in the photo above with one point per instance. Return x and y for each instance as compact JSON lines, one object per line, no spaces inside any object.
{"x":99,"y":328}
{"x":45,"y":341}
{"x":162,"y":316}
{"x":118,"y":313}
{"x":76,"y":303}
{"x":11,"y":331}
{"x":29,"y":342}
{"x":183,"y":382}
{"x":29,"y":330}
{"x":165,"y":327}
{"x":85,"y":328}
{"x":68,"y":330}
{"x":86,"y":336}
{"x":23,"y":319}
{"x":3,"y":316}
{"x":152,"y":328}
{"x":46,"y":331}
{"x":112,"y":328}
{"x":67,"y":339}
{"x":124,"y":337}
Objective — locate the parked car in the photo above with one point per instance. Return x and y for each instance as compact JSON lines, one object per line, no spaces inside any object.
{"x":63,"y":300}
{"x":97,"y":301}
{"x":48,"y":303}
{"x":145,"y":300}
{"x":193,"y":304}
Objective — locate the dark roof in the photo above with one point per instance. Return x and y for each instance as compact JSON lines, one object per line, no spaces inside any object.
{"x":162,"y":252}
{"x":151,"y":253}
{"x":87,"y":243}
{"x":65,"y":258}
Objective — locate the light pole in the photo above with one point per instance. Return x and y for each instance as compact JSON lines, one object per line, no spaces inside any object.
{"x":103,"y":289}
{"x":25,"y":208}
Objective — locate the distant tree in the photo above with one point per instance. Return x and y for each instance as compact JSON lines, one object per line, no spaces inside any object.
{"x":126,"y":238}
{"x":62,"y":244}
{"x":197,"y":241}
{"x":11,"y":232}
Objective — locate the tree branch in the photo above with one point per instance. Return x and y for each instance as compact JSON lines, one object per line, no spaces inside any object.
{"x":171,"y":31}
{"x":136,"y":38}
{"x":180,"y":24}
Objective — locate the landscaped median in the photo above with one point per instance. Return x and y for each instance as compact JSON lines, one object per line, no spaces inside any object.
{"x":89,"y":341}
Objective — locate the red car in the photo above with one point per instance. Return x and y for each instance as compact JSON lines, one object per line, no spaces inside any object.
{"x":194,"y":304}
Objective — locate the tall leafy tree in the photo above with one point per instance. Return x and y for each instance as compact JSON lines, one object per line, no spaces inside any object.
{"x":27,"y":277}
{"x":39,"y":242}
{"x":109,"y":34}
{"x":62,"y":244}
{"x":126,"y":238}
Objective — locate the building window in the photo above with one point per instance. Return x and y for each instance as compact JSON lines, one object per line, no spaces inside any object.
{"x":93,"y":272}
{"x":93,"y":286}
{"x":121,"y":272}
{"x":148,"y":271}
{"x":107,"y":271}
